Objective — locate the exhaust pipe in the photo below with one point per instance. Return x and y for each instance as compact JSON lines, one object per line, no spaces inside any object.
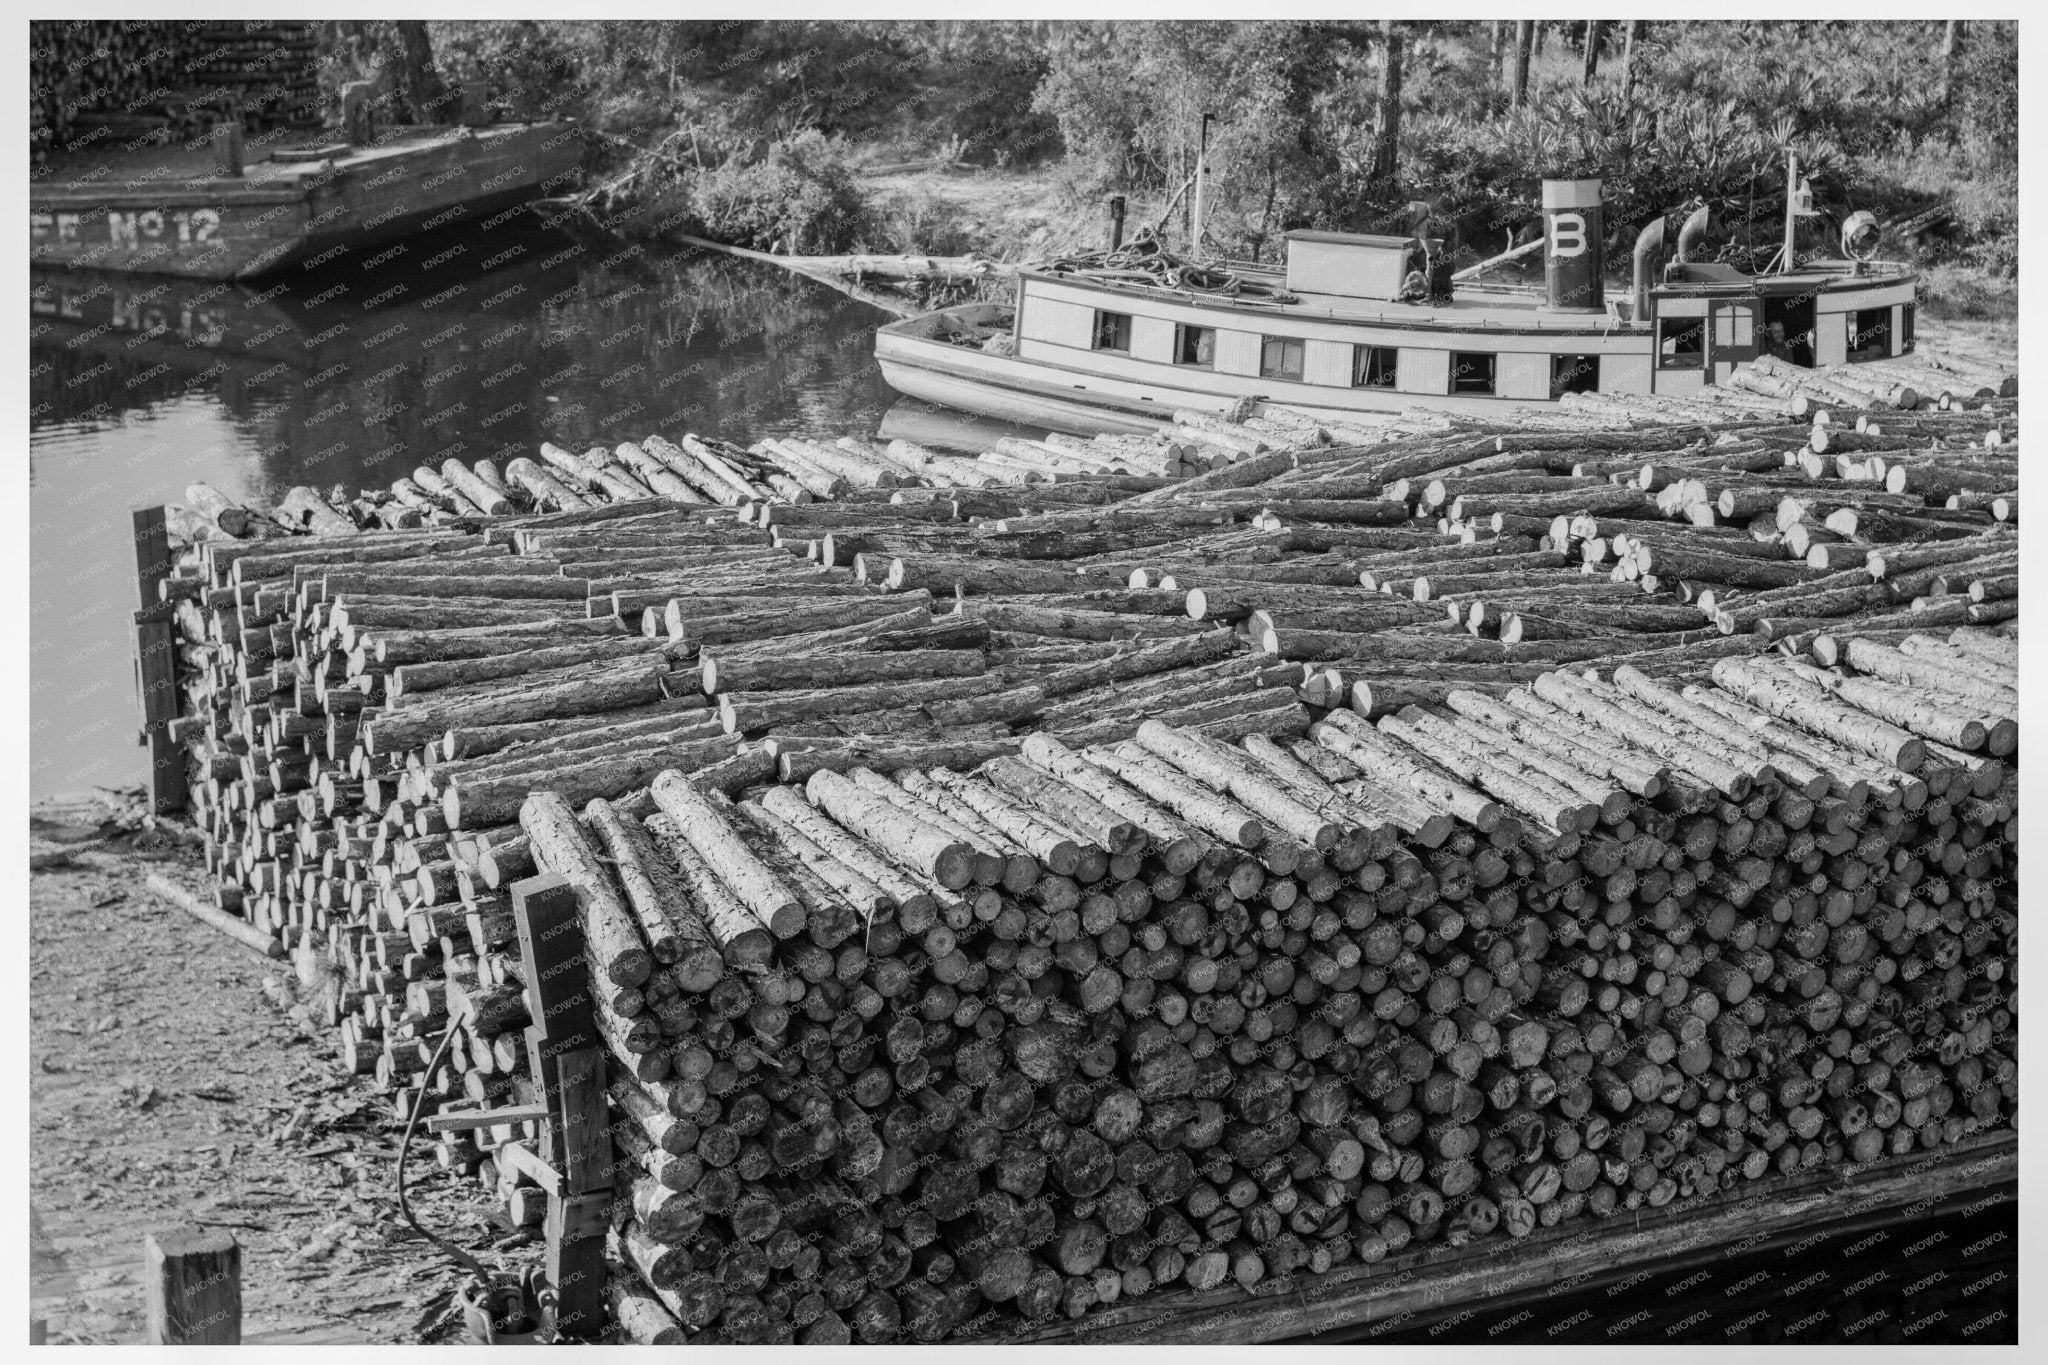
{"x":1650,"y":239}
{"x":1689,"y":235}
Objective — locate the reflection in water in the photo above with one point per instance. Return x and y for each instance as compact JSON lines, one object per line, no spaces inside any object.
{"x":479,"y":344}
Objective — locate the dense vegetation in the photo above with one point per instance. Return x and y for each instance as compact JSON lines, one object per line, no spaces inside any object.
{"x":762,"y":132}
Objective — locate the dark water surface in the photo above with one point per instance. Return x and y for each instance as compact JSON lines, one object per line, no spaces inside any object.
{"x":474,"y":343}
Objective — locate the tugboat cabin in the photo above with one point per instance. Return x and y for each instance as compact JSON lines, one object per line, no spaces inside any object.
{"x":1360,"y":322}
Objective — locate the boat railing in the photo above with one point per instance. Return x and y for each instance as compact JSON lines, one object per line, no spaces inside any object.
{"x":1835,"y":265}
{"x":1237,"y":265}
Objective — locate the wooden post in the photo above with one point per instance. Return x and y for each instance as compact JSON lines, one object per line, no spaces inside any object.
{"x":152,"y":555}
{"x":356,"y":129}
{"x":567,"y":1056}
{"x":476,"y":104}
{"x":193,"y":1277}
{"x":227,"y":143}
{"x":156,"y":662}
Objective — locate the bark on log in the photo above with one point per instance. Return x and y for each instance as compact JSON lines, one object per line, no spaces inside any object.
{"x":485,"y":799}
{"x":541,"y":697}
{"x":696,"y":818}
{"x":689,"y":623}
{"x":675,"y":934}
{"x":912,"y":842}
{"x":1793,"y":699}
{"x":561,"y":845}
{"x":779,"y":672}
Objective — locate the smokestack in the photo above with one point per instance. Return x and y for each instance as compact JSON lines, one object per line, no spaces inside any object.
{"x":1572,"y":253}
{"x":1648,"y":242}
{"x":1689,"y":236}
{"x":1116,"y":221}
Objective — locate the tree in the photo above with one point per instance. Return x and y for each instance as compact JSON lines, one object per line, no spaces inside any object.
{"x":1630,"y":32}
{"x":1593,"y":27}
{"x":1951,"y":39}
{"x":1386,"y":114}
{"x":1525,"y":42}
{"x":424,"y":92}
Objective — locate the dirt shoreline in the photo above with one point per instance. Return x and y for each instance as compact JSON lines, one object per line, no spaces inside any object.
{"x":164,"y":1087}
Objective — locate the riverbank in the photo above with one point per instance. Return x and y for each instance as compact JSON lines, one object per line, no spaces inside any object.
{"x":166,"y":1086}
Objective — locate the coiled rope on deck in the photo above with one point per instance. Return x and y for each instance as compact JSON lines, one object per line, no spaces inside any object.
{"x":1143,"y":260}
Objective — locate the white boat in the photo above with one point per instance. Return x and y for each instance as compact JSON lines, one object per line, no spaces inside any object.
{"x":1359,"y":323}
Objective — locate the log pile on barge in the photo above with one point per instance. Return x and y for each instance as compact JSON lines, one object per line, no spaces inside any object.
{"x":1139,"y":866}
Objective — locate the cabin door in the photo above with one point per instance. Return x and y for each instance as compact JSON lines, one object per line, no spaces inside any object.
{"x":1731,"y":333}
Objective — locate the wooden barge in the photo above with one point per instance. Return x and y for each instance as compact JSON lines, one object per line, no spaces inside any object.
{"x":1361,"y":323}
{"x":1464,"y":1291}
{"x":1687,"y":1176}
{"x":166,"y":210}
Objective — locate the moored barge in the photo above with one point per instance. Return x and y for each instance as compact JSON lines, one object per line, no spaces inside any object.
{"x":165,"y":210}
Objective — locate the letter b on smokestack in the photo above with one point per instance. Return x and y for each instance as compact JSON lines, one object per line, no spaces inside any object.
{"x":1572,"y":245}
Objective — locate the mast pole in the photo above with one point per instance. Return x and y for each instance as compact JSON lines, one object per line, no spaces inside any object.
{"x":1791,"y":208}
{"x":1201,"y":170}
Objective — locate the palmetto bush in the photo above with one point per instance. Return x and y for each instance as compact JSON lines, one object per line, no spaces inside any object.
{"x":1652,"y":155}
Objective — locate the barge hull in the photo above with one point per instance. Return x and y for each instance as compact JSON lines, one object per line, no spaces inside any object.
{"x":220,"y":228}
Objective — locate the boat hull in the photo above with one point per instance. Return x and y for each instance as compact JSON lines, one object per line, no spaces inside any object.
{"x":1033,"y":394}
{"x":989,"y":397}
{"x":216,"y":228}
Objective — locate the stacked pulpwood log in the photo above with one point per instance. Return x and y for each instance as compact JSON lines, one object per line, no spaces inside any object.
{"x":1673,"y":546}
{"x":944,"y":1054}
{"x":367,"y":709}
{"x":378,"y":684}
{"x":1945,"y":369}
{"x":524,"y":631}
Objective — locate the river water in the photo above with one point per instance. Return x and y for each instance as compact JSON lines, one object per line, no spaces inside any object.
{"x":480,"y":343}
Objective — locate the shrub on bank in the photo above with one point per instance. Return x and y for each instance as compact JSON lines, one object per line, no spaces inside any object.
{"x":799,"y":199}
{"x":918,"y":222}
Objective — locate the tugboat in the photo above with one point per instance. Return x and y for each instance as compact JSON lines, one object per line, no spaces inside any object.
{"x":1358,"y":323}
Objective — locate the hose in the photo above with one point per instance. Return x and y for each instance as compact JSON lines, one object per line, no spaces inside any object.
{"x":517,"y":1313}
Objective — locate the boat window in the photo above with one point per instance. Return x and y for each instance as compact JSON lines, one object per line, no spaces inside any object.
{"x":1194,"y":346}
{"x":1906,"y":329}
{"x":1472,"y":372}
{"x":1682,"y":344}
{"x":1870,"y":334}
{"x":1574,"y":374}
{"x":1280,"y":358}
{"x":1112,"y":331}
{"x":1375,"y":367}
